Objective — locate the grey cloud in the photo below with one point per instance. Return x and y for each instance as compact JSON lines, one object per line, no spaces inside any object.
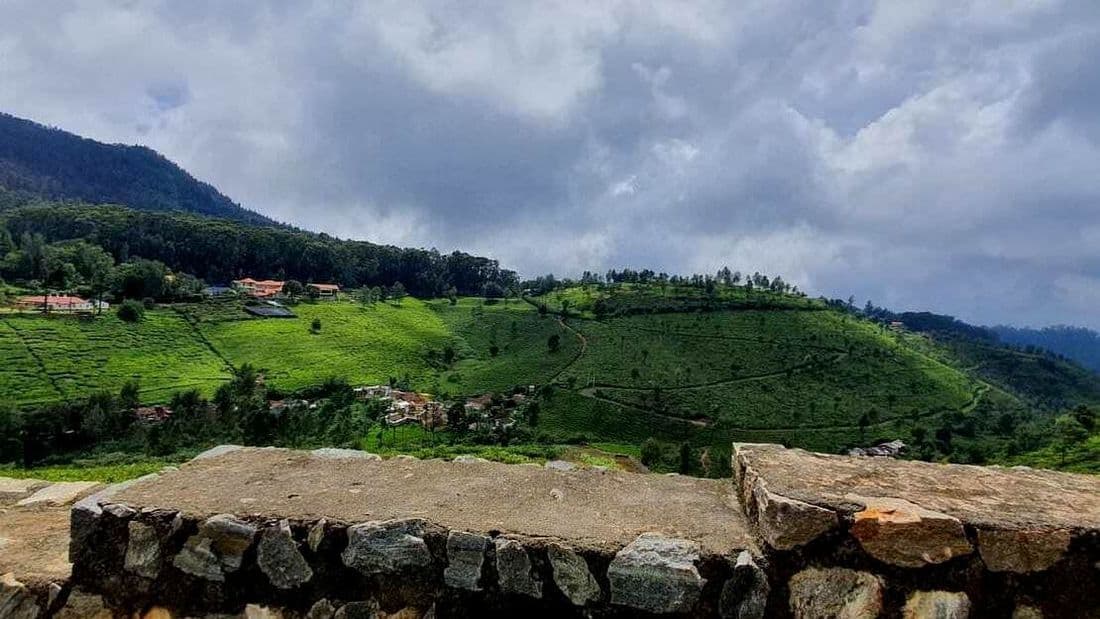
{"x":938,"y":155}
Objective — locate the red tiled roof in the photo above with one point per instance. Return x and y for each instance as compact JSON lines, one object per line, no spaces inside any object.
{"x":53,"y":300}
{"x":323,"y":286}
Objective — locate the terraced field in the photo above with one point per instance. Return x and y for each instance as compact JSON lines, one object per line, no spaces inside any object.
{"x":356,"y":343}
{"x":67,"y":358}
{"x":521,"y":337}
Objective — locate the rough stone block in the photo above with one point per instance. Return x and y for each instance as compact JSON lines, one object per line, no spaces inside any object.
{"x":514,"y":569}
{"x":279,"y":558}
{"x":572,"y":576}
{"x":560,"y":465}
{"x":787,"y":523}
{"x":656,"y":574}
{"x":217,"y":549}
{"x":143,"y":550}
{"x":465,"y":557}
{"x":745,"y":594}
{"x":835,"y":592}
{"x":81,"y":605}
{"x":1022,"y":551}
{"x":937,"y":605}
{"x":322,"y":609}
{"x":901,"y":533}
{"x":16,"y":602}
{"x":334,"y":453}
{"x":214,"y":452}
{"x":387,"y":547}
{"x":61,"y":493}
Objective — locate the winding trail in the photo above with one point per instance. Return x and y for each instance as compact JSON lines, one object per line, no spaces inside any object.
{"x":838,"y":355}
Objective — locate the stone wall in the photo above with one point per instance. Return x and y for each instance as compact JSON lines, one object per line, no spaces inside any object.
{"x":794,"y":534}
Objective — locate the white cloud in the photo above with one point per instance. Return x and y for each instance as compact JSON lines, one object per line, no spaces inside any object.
{"x":941,"y":155}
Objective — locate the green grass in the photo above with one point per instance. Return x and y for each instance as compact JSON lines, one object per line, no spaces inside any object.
{"x":1082,"y":458}
{"x":108,"y":468}
{"x":80,"y":356}
{"x":360,"y":344}
{"x":519,"y":333}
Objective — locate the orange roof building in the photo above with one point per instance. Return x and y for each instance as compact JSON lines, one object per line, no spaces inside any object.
{"x":260,"y":288}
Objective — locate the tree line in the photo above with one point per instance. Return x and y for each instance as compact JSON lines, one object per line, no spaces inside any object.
{"x":219,"y":250}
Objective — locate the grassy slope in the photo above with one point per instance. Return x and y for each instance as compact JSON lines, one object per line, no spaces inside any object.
{"x":360,"y":344}
{"x":78,"y":357}
{"x":796,"y":373}
{"x":521,"y":336}
{"x":801,"y":377}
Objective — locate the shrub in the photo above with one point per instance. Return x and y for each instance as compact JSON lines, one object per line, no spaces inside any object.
{"x":315,"y":326}
{"x":148,"y":303}
{"x":131,"y":311}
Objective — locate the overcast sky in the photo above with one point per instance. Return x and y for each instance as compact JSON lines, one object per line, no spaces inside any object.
{"x":940,"y":155}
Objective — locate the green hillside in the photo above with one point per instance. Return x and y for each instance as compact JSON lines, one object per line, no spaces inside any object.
{"x":631,"y":363}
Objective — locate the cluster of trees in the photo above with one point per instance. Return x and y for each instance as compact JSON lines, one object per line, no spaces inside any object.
{"x":239,"y":411}
{"x":1077,"y":343}
{"x":376,"y":294}
{"x":87,"y":269}
{"x":724,"y":277}
{"x":219,"y":250}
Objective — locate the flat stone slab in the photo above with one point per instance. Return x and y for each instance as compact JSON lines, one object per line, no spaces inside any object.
{"x":35,"y":544}
{"x":12,"y":490}
{"x":993,"y":498}
{"x":61,"y":493}
{"x":587,"y":509}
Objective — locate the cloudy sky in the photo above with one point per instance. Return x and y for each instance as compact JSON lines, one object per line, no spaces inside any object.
{"x":941,"y":154}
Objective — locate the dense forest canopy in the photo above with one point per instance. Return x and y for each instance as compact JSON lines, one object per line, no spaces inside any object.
{"x":1078,"y":343}
{"x":59,"y":165}
{"x":219,"y":250}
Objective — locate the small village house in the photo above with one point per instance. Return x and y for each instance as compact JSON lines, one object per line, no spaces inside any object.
{"x":60,"y":303}
{"x":325,"y":291}
{"x":259,"y":288}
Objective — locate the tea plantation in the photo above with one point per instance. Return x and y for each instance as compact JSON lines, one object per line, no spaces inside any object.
{"x":622,"y":366}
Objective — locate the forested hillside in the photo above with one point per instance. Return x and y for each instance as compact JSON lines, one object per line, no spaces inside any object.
{"x":219,"y":250}
{"x":53,"y":163}
{"x":1077,"y":343}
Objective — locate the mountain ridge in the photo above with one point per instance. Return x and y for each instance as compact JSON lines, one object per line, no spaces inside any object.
{"x":55,"y":164}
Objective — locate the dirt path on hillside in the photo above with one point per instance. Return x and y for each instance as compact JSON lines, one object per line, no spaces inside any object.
{"x":589,"y":392}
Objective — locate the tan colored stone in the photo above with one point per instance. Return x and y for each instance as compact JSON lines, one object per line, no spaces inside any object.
{"x":255,"y":611}
{"x":901,"y":533}
{"x":787,"y":523}
{"x":937,"y":605}
{"x":12,"y":490}
{"x":1023,"y":611}
{"x":1022,"y":551}
{"x":602,"y":511}
{"x":835,"y":592}
{"x":61,"y":493}
{"x":982,"y":496}
{"x":156,"y":612}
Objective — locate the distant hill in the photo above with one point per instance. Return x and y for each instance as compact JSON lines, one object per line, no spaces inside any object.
{"x":1077,"y":343}
{"x":48,"y":162}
